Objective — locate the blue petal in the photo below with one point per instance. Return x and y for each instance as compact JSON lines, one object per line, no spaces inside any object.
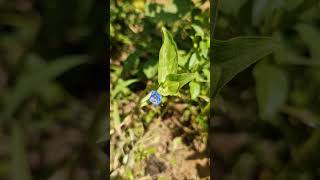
{"x":155,"y":97}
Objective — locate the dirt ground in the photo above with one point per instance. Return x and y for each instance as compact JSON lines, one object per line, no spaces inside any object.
{"x":174,"y":158}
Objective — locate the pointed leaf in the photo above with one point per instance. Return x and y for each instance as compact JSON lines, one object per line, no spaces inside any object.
{"x":174,"y":82}
{"x":168,"y":57}
{"x":233,"y":56}
{"x":170,"y":88}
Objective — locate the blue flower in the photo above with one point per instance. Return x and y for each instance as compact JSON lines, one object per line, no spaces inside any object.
{"x":155,"y":97}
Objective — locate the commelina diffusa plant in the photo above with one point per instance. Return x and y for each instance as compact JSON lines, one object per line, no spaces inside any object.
{"x":177,"y":68}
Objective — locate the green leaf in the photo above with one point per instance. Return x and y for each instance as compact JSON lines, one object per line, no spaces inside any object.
{"x":233,"y":56}
{"x":168,"y":57}
{"x":182,"y":78}
{"x":169,"y":88}
{"x":19,"y":163}
{"x":174,"y":82}
{"x":271,"y":89}
{"x":194,"y":89}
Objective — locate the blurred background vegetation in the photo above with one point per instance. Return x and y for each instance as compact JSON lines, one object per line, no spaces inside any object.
{"x":52,"y":89}
{"x":266,"y":120}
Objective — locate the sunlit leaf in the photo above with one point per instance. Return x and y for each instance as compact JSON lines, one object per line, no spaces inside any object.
{"x":168,"y":57}
{"x":174,"y":82}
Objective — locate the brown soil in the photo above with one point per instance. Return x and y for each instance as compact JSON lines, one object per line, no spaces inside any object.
{"x":173,"y":158}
